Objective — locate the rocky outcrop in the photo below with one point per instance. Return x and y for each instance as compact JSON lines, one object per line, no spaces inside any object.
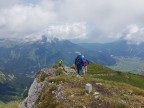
{"x":59,"y":87}
{"x":37,"y":86}
{"x":33,"y":94}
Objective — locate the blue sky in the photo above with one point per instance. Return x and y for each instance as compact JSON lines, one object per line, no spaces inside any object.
{"x":77,"y":20}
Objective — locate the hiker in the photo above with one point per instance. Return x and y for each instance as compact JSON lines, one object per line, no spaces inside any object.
{"x":85,"y":63}
{"x":60,"y":62}
{"x":79,"y":64}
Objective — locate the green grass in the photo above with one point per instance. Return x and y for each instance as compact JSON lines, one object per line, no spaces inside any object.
{"x":136,"y":81}
{"x":105,"y":73}
{"x":43,"y":76}
{"x":47,"y":98}
{"x":117,"y":87}
{"x":58,"y":79}
{"x":130,"y":64}
{"x":98,"y":69}
{"x":59,"y":71}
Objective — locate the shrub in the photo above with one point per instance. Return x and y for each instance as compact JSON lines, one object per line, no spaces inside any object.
{"x":58,"y":79}
{"x":43,"y":76}
{"x":59,"y":71}
{"x":47,"y":99}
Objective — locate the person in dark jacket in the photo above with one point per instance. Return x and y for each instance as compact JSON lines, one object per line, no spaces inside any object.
{"x":79,"y":64}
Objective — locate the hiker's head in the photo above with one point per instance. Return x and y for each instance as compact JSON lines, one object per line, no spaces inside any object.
{"x":82,"y":56}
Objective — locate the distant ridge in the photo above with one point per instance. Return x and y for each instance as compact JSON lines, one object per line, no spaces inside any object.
{"x":28,"y":57}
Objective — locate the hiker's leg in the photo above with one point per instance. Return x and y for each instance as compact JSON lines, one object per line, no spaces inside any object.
{"x":86,"y":68}
{"x":77,"y":70}
{"x":80,"y":70}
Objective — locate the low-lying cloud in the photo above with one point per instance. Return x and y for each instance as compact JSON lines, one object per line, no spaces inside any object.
{"x":133,"y":34}
{"x":90,"y":20}
{"x":66,"y":31}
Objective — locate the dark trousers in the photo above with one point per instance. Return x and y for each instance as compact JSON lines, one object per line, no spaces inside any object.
{"x":79,"y":69}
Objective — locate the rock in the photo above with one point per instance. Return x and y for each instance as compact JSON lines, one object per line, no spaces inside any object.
{"x":88,"y":88}
{"x":99,"y":84}
{"x":33,"y":94}
{"x":68,"y":69}
{"x":78,"y":76}
{"x":96,"y":93}
{"x":96,"y":97}
{"x":72,"y":95}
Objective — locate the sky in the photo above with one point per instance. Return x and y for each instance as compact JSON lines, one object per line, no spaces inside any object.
{"x":76,"y":20}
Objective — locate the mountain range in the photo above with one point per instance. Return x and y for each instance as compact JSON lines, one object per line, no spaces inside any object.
{"x":27,"y":57}
{"x":117,"y":48}
{"x":23,"y":58}
{"x":129,"y":57}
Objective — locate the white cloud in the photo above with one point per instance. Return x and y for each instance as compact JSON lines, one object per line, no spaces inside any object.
{"x":66,"y":31}
{"x":21,"y":20}
{"x":133,"y":34}
{"x":103,"y":19}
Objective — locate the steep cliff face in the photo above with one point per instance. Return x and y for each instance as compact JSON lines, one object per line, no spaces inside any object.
{"x":37,"y":86}
{"x":33,"y":94}
{"x":60,"y":87}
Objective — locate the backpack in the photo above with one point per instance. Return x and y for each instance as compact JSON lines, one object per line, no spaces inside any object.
{"x":85,"y":62}
{"x":78,"y":61}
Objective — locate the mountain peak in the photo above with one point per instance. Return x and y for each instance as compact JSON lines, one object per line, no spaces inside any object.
{"x":60,"y":87}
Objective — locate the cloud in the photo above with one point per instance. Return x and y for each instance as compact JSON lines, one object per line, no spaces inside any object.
{"x":21,"y":20}
{"x":8,"y":3}
{"x":133,"y":34}
{"x":101,"y":20}
{"x":66,"y":31}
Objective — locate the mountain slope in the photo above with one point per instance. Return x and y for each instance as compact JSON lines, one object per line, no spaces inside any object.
{"x":7,"y":89}
{"x":57,"y":87}
{"x":118,"y":48}
{"x":129,"y":57}
{"x":31,"y":56}
{"x":13,"y":87}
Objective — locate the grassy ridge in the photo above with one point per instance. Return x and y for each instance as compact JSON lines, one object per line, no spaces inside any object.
{"x":116,"y":90}
{"x":98,"y":69}
{"x":105,"y":73}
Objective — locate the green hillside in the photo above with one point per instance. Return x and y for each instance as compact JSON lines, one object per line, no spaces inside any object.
{"x":129,"y":64}
{"x":102,"y":72}
{"x":114,"y":89}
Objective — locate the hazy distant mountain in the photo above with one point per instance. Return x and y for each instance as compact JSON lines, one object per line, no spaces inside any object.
{"x":7,"y":88}
{"x":18,"y":56}
{"x":13,"y":86}
{"x":129,"y":57}
{"x":5,"y":77}
{"x":118,"y":48}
